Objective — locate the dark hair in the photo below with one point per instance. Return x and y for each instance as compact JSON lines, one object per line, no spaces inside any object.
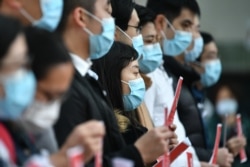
{"x":10,"y":28}
{"x":69,"y":6}
{"x":109,"y":70}
{"x":122,"y":11}
{"x":145,"y":15}
{"x":172,"y":8}
{"x":46,"y":51}
{"x":207,"y":38}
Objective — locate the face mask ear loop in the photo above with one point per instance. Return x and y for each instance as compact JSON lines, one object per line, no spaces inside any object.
{"x":124,"y":33}
{"x":93,"y":16}
{"x":27,"y":15}
{"x":125,"y":82}
{"x":171,"y":26}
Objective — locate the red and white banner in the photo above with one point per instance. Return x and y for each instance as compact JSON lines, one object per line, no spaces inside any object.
{"x":76,"y":156}
{"x":213,"y":159}
{"x":243,"y":157}
{"x":175,"y":102}
{"x":173,"y":154}
{"x":190,"y":159}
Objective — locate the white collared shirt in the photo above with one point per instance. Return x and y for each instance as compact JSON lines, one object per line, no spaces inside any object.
{"x":159,"y":96}
{"x":83,"y":66}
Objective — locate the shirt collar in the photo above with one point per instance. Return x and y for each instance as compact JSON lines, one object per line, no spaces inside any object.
{"x":83,"y":66}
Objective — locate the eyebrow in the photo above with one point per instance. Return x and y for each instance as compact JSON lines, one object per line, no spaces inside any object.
{"x":149,"y":36}
{"x":135,"y":66}
{"x":187,"y":21}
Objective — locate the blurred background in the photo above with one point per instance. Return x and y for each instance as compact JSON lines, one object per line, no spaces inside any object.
{"x":229,"y":22}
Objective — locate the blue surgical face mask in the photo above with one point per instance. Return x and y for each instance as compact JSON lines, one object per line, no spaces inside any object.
{"x":19,"y":91}
{"x":226,"y":107}
{"x":100,"y":44}
{"x":51,"y":14}
{"x":192,"y":55}
{"x":177,"y":45}
{"x":137,"y":42}
{"x":212,"y":73}
{"x":135,"y":97}
{"x":151,"y":58}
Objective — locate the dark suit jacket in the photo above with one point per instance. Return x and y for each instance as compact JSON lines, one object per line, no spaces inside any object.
{"x":187,"y":108}
{"x":86,"y":101}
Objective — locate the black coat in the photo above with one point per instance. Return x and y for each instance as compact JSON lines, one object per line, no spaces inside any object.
{"x":187,"y":108}
{"x":85,"y":102}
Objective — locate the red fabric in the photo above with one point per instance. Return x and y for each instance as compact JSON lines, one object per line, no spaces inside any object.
{"x":8,"y":142}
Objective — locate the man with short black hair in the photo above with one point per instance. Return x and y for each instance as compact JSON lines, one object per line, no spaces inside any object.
{"x":174,"y":23}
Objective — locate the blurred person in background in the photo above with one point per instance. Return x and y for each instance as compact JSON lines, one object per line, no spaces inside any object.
{"x":226,"y":109}
{"x":18,"y":83}
{"x":208,"y":65}
{"x":18,"y":87}
{"x":44,"y":14}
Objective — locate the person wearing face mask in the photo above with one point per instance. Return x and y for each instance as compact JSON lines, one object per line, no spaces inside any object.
{"x":88,"y":32}
{"x":226,"y":107}
{"x":53,"y":70}
{"x":209,"y":67}
{"x":195,"y":49}
{"x":17,"y":148}
{"x":161,"y":93}
{"x":128,"y":32}
{"x":174,"y":23}
{"x":16,"y":80}
{"x":44,"y":14}
{"x":121,"y":63}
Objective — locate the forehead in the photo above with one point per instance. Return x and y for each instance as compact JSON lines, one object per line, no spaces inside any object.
{"x":17,"y":49}
{"x":134,"y":19}
{"x":196,"y":20}
{"x":185,"y":14}
{"x":224,"y":92}
{"x":211,"y":47}
{"x":148,"y":29}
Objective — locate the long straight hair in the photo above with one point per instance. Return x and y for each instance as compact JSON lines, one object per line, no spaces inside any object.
{"x":109,"y":69}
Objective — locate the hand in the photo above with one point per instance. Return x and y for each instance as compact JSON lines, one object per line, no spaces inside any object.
{"x":173,"y":142}
{"x":89,"y":135}
{"x":224,"y":158}
{"x":235,"y":144}
{"x":205,"y":164}
{"x":154,"y":143}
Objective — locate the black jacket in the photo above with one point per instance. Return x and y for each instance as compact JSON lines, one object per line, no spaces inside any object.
{"x":187,"y":108}
{"x":86,"y":101}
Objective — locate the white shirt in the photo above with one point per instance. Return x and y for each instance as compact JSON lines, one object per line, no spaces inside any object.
{"x":159,"y":96}
{"x":83,"y":66}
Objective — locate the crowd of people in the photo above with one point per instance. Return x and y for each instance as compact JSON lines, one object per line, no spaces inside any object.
{"x":88,"y":83}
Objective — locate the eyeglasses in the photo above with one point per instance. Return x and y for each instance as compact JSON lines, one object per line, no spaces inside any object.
{"x":138,"y":28}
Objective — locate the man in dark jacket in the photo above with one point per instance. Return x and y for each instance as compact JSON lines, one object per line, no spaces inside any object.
{"x":88,"y":31}
{"x":174,"y":23}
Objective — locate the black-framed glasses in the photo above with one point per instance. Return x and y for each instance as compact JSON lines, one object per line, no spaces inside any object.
{"x":138,"y":28}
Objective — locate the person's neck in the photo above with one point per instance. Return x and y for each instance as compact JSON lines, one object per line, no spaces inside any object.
{"x":198,"y":85}
{"x":180,"y":58}
{"x":76,"y":44}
